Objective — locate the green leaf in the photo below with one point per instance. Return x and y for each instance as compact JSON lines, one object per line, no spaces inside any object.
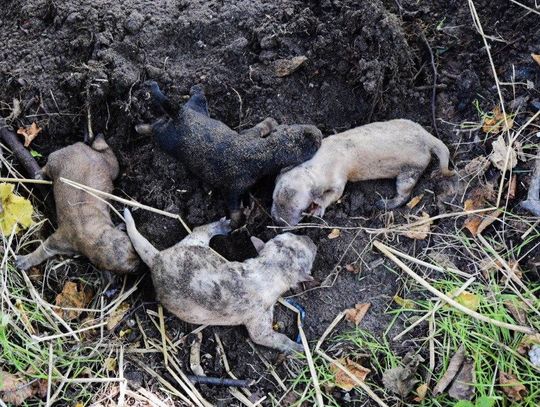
{"x":464,"y":403}
{"x":485,"y":401}
{"x":35,"y":154}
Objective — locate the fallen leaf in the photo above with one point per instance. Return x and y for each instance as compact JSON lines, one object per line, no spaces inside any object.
{"x":13,"y":389}
{"x":453,"y":368}
{"x":469,"y":300}
{"x":16,"y":211}
{"x":79,"y":404}
{"x":420,"y":231}
{"x":357,"y":313}
{"x":498,"y":155}
{"x":414,"y":201}
{"x":285,"y":67}
{"x":518,"y":146}
{"x":353,"y":268}
{"x":110,"y":364}
{"x":35,"y":154}
{"x":514,"y":389}
{"x":335,"y":233}
{"x":527,"y":342}
{"x":117,"y":315}
{"x":29,"y":133}
{"x":342,"y":380}
{"x":421,"y":392}
{"x":512,"y":187}
{"x":485,"y":401}
{"x":463,"y":387}
{"x":404,"y":303}
{"x":517,"y":309}
{"x":477,"y":223}
{"x":495,"y":122}
{"x":536,"y":58}
{"x":477,"y":166}
{"x":402,"y":379}
{"x":73,"y":297}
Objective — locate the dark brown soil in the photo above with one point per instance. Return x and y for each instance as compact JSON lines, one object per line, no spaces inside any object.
{"x":366,"y":61}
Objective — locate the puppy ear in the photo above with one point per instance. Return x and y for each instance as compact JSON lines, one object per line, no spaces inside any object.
{"x":317,"y":195}
{"x":99,"y":143}
{"x":304,"y":277}
{"x":258,"y":243}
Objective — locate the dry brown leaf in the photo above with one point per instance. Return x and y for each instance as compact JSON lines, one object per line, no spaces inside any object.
{"x":453,"y":368}
{"x":536,"y":58}
{"x":343,"y":381}
{"x":29,"y":133}
{"x":415,"y":201}
{"x":527,"y":341}
{"x":463,"y":387}
{"x":514,"y":389}
{"x":477,"y":223}
{"x":517,"y":309}
{"x":73,"y":297}
{"x":285,"y":67}
{"x":421,"y":231}
{"x":357,"y":313}
{"x":117,"y":315}
{"x":421,"y":392}
{"x":512,"y":187}
{"x":477,"y":166}
{"x":335,"y":233}
{"x":13,"y":389}
{"x":498,"y":155}
{"x":495,"y":123}
{"x":402,"y":379}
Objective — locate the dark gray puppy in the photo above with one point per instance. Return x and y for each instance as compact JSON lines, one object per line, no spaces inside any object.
{"x":84,"y":221}
{"x":221,"y":157}
{"x":199,"y":286}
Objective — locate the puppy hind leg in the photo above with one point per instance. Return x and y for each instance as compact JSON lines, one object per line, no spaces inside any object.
{"x":51,"y":247}
{"x":197,"y":101}
{"x":233,"y":200}
{"x":261,"y":332}
{"x":405,"y":183}
{"x":200,"y":236}
{"x":262,"y":129}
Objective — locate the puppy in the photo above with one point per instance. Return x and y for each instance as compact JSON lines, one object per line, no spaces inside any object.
{"x":221,"y":157}
{"x":398,"y":149}
{"x":84,"y":223}
{"x":200,"y":287}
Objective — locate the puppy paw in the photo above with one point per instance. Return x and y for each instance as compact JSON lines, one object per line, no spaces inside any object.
{"x":223,"y":226}
{"x":23,"y":262}
{"x":295,"y":348}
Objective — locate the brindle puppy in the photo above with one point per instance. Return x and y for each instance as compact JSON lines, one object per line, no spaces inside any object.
{"x":221,"y":157}
{"x":398,"y":149}
{"x":200,"y":287}
{"x":84,"y":221}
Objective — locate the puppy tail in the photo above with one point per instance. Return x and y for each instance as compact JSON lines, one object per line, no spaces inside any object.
{"x":162,"y":101}
{"x":143,"y":247}
{"x":442,"y":153}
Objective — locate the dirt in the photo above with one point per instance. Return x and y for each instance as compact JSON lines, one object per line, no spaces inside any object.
{"x":365,"y":61}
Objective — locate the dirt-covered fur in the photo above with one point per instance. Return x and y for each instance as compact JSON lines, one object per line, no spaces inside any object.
{"x":84,"y":222}
{"x":223,"y":158}
{"x":200,"y":287}
{"x":398,"y":149}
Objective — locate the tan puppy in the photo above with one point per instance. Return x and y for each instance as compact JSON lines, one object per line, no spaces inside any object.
{"x":84,"y":222}
{"x":398,"y":149}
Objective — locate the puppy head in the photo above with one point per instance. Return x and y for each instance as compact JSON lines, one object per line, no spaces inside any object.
{"x":292,"y":254}
{"x":294,"y":195}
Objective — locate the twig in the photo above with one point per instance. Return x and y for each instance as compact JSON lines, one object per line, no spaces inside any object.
{"x":268,"y":366}
{"x":327,"y":331}
{"x":26,"y":181}
{"x":163,"y":335}
{"x":220,"y":381}
{"x":195,"y":356}
{"x":123,"y":383}
{"x":355,"y":379}
{"x":22,"y":154}
{"x":49,"y":375}
{"x":311,"y":365}
{"x":384,"y":249}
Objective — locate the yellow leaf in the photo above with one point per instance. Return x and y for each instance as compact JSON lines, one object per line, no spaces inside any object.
{"x":334,"y":234}
{"x":421,"y":392}
{"x":73,"y":297}
{"x":110,"y":364}
{"x":467,"y":299}
{"x":15,"y":211}
{"x":79,"y":404}
{"x":342,"y":380}
{"x":495,"y":122}
{"x":117,"y":315}
{"x":402,"y":302}
{"x":536,"y":58}
{"x":29,"y":133}
{"x":414,"y":201}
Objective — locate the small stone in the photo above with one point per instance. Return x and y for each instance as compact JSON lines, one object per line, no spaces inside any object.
{"x":134,"y":22}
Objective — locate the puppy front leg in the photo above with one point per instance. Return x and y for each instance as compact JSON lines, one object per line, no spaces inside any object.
{"x":261,"y":332}
{"x":327,"y":198}
{"x":201,"y":235}
{"x":54,"y":245}
{"x":262,"y":129}
{"x":405,"y":183}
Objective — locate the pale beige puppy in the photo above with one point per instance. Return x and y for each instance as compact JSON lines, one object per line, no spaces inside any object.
{"x":398,"y":149}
